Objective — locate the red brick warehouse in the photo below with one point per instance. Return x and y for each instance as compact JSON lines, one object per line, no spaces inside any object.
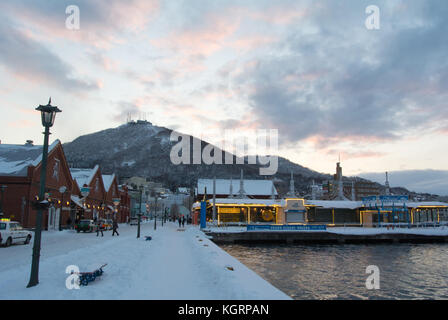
{"x":20,"y":167}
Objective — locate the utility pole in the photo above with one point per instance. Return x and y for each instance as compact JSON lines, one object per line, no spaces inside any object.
{"x":155,"y":213}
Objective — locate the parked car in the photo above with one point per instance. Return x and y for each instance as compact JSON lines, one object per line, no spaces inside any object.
{"x":133,"y":221}
{"x":85,"y":225}
{"x":12,"y":232}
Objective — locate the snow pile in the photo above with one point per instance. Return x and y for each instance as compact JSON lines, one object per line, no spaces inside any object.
{"x":173,"y":265}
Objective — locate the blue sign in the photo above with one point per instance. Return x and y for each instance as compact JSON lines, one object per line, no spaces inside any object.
{"x":291,"y":227}
{"x":369,"y":199}
{"x":203,"y":213}
{"x":394,"y":198}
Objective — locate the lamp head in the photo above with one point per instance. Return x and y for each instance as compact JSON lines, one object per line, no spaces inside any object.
{"x":48,"y":113}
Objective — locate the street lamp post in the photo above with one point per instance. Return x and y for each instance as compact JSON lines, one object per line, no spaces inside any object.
{"x":62,"y":190}
{"x":155,"y":214}
{"x":155,"y":211}
{"x":139,"y":212}
{"x":116,"y":202}
{"x":163,"y":207}
{"x":48,"y":114}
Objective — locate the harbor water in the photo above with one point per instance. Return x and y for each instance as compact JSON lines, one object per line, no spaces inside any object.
{"x":406,"y":271}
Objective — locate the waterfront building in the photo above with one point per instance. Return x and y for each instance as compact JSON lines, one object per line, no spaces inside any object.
{"x":242,"y":188}
{"x":328,"y":212}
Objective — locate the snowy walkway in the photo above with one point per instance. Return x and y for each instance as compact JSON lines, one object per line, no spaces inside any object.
{"x":174,"y":265}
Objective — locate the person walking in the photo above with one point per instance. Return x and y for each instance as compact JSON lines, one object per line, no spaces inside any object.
{"x":99,"y":228}
{"x":183,"y":221}
{"x":114,"y":228}
{"x":180,"y":221}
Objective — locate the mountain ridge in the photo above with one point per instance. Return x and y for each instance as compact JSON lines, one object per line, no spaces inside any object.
{"x":142,"y":149}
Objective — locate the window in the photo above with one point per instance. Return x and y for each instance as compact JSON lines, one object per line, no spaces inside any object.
{"x":2,"y":226}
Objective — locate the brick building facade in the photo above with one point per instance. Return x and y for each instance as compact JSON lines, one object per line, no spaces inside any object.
{"x":20,"y":167}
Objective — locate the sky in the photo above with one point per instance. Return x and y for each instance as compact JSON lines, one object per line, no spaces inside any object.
{"x":332,"y":87}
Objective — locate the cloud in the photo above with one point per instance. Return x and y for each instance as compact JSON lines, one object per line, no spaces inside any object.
{"x":103,"y":23}
{"x":200,"y":40}
{"x":426,"y":181}
{"x":333,"y":80}
{"x":102,"y":60}
{"x":21,"y":124}
{"x":32,"y":61}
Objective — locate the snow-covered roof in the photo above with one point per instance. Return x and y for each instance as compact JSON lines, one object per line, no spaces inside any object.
{"x":83,"y":176}
{"x":183,"y":189}
{"x":247,"y":201}
{"x":335,"y":204}
{"x":107,"y":181}
{"x":426,"y":204}
{"x":76,"y":200}
{"x":251,"y":187}
{"x":15,"y":159}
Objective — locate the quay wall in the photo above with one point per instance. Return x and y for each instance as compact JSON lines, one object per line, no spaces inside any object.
{"x":321,"y":237}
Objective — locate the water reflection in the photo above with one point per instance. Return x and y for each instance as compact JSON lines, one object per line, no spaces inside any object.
{"x":407,"y":271}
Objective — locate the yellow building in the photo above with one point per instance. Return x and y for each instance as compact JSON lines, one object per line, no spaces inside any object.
{"x":330,"y":213}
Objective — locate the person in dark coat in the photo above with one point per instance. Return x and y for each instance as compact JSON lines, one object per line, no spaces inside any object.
{"x":180,"y":221}
{"x":114,"y":228}
{"x":183,"y":221}
{"x":99,"y":228}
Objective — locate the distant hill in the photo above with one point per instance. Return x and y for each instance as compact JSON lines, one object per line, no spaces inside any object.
{"x":142,"y":149}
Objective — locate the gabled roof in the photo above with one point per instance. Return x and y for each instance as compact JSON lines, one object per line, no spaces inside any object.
{"x":83,"y":176}
{"x":251,"y":187}
{"x":15,"y":159}
{"x":108,"y":179}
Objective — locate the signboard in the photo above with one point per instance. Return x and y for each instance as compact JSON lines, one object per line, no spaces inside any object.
{"x":295,"y":227}
{"x":381,"y":201}
{"x":228,"y":210}
{"x":371,"y":201}
{"x":394,"y":198}
{"x":85,"y":191}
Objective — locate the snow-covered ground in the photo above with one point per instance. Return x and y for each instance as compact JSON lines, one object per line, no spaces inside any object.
{"x":173,"y":265}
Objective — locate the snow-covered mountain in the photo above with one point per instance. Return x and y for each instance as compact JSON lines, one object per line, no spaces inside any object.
{"x":142,"y":149}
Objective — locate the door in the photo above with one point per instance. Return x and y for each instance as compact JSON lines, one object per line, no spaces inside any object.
{"x":51,"y":218}
{"x":295,"y":217}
